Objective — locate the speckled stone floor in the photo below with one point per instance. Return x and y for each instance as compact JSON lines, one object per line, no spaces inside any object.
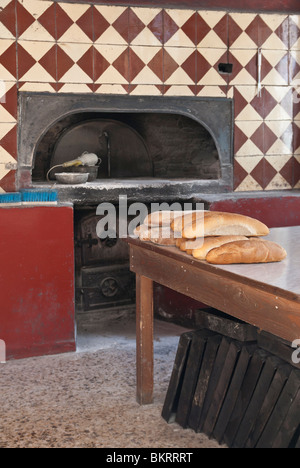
{"x":87,"y":399}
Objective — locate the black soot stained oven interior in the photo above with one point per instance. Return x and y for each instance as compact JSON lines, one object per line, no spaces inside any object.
{"x":152,"y":149}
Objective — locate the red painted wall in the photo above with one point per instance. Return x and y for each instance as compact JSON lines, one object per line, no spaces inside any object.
{"x":37,"y":281}
{"x":248,"y":5}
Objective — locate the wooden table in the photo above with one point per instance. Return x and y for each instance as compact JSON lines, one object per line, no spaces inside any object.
{"x":265,"y":295}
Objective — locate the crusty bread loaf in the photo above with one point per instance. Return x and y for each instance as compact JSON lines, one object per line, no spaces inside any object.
{"x":185,"y":219}
{"x":162,"y":235}
{"x":224,"y":224}
{"x":249,"y":251}
{"x":209,"y":243}
{"x":162,"y":218}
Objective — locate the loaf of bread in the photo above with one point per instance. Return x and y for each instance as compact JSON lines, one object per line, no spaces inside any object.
{"x":249,"y":251}
{"x":200,"y":252}
{"x":223,"y":224}
{"x":162,"y":235}
{"x":186,"y":219}
{"x":166,"y":218}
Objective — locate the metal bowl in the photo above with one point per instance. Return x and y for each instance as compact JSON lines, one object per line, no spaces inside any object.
{"x":72,"y":178}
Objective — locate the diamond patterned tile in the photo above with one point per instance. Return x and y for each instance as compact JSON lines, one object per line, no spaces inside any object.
{"x":294,"y":67}
{"x":278,"y":102}
{"x":146,"y":90}
{"x":248,"y":172}
{"x":8,"y":143}
{"x":146,"y":65}
{"x":75,"y":63}
{"x":248,"y":106}
{"x":74,"y":23}
{"x":294,"y":32}
{"x":296,"y":138}
{"x":111,"y":64}
{"x":278,"y":137}
{"x":8,"y":64}
{"x":207,"y":67}
{"x":7,"y":179}
{"x":111,"y":25}
{"x":36,"y":20}
{"x":179,"y":28}
{"x":179,"y":90}
{"x":8,"y":102}
{"x":244,"y":67}
{"x":37,"y":61}
{"x":179,"y":66}
{"x":212,"y":29}
{"x":146,"y":26}
{"x":211,"y":91}
{"x":275,"y":67}
{"x":249,"y":138}
{"x":243,"y":30}
{"x":297,"y":172}
{"x":279,"y":26}
{"x":7,"y":19}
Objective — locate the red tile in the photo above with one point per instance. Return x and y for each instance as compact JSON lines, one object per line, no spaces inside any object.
{"x":294,"y":32}
{"x":11,"y":101}
{"x":269,"y":103}
{"x":136,"y":65}
{"x":100,"y":24}
{"x":221,"y":29}
{"x":190,"y":28}
{"x":9,"y":142}
{"x":100,"y":64}
{"x":135,"y":26}
{"x":156,"y":64}
{"x":169,"y":65}
{"x":296,"y":172}
{"x":8,"y":183}
{"x":156,"y":26}
{"x":24,"y":19}
{"x":48,"y":62}
{"x":122,"y":64}
{"x":258,"y":138}
{"x":8,"y":17}
{"x":283,"y":32}
{"x":86,"y":62}
{"x":252,"y":29}
{"x":239,"y":139}
{"x":294,"y":68}
{"x":170,"y":27}
{"x":269,"y":138}
{"x":239,"y":102}
{"x":264,"y":32}
{"x":63,"y":22}
{"x":202,"y":66}
{"x":283,"y":67}
{"x":47,"y":20}
{"x":287,"y":171}
{"x":258,"y":173}
{"x":64,"y":63}
{"x":239,"y":174}
{"x":121,"y":25}
{"x":234,"y":31}
{"x":85,"y":22}
{"x":269,"y":173}
{"x":202,"y":28}
{"x":9,"y":61}
{"x":25,"y":61}
{"x":296,"y":137}
{"x":189,"y":66}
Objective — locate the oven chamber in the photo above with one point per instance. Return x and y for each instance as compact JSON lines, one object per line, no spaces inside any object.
{"x":153,"y":149}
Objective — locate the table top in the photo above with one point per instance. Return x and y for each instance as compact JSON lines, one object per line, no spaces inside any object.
{"x":280,"y":277}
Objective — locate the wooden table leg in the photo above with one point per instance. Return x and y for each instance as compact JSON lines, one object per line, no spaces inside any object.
{"x":144,"y":339}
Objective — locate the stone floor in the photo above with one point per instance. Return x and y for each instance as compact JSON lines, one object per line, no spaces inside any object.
{"x":87,"y":399}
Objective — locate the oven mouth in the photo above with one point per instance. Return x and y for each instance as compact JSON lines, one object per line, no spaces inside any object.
{"x":180,"y":144}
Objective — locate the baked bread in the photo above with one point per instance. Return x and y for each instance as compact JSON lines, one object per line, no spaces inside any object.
{"x":224,"y":224}
{"x":210,"y":243}
{"x":185,"y":219}
{"x":158,"y":235}
{"x":249,"y":251}
{"x":162,"y":218}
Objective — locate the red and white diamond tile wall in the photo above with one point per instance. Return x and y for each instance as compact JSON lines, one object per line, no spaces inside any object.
{"x":74,"y":47}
